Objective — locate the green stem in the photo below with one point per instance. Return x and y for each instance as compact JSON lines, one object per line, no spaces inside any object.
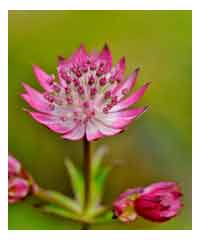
{"x":87,"y":175}
{"x":85,"y":226}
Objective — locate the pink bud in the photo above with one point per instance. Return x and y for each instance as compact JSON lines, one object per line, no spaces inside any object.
{"x":158,"y":202}
{"x":14,"y":166}
{"x":124,"y":205}
{"x":18,"y":188}
{"x":20,"y":183}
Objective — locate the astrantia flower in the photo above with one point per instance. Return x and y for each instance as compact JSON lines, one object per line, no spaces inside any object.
{"x":158,"y":202}
{"x":88,"y":99}
{"x":20,"y":183}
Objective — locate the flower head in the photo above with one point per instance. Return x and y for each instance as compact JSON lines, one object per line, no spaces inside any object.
{"x":20,"y":183}
{"x":88,"y":99}
{"x":157,"y":202}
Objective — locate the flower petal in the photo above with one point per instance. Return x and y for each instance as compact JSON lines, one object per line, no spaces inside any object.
{"x":106,"y":130}
{"x":77,"y":132}
{"x":132,"y":99}
{"x":35,"y":99}
{"x":126,"y":85}
{"x":118,"y":71}
{"x":106,"y":56}
{"x":160,"y":186}
{"x":123,"y":118}
{"x":53,"y":122}
{"x":92,"y":131}
{"x":14,"y":166}
{"x":42,"y":77}
{"x":80,"y":56}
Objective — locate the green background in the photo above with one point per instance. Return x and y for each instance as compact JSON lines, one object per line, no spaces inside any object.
{"x":156,"y":147}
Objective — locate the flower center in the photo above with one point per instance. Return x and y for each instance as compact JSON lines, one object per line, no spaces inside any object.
{"x":85,"y":89}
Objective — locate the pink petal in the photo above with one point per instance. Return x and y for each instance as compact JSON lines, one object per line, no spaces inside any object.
{"x":80,"y":56}
{"x":154,"y":187}
{"x":92,"y":132}
{"x":123,"y":118}
{"x":127,"y":85}
{"x":14,"y":166}
{"x":53,"y":123}
{"x":35,"y":99}
{"x":118,"y":71}
{"x":106,"y":130}
{"x":77,"y":133}
{"x":121,"y":68}
{"x":132,"y":99}
{"x":42,"y":77}
{"x":106,"y":57}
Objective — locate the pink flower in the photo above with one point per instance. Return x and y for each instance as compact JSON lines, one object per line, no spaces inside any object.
{"x":14,"y":166}
{"x":18,"y":189}
{"x":89,"y":99}
{"x":20,"y":184}
{"x":157,"y":202}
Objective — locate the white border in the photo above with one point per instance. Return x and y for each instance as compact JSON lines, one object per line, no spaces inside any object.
{"x":91,"y":4}
{"x":99,"y":4}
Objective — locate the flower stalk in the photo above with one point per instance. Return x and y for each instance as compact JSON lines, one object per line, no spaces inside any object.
{"x":87,"y":165}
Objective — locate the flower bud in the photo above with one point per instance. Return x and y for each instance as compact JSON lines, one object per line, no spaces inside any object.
{"x":20,"y":183}
{"x":157,"y":202}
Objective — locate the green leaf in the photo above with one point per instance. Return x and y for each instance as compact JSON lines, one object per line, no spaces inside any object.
{"x":58,"y":199}
{"x":55,"y":210}
{"x":97,"y":159}
{"x":97,"y":186}
{"x":77,"y":181}
{"x":52,"y":209}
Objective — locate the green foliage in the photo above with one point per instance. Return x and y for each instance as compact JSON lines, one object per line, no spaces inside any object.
{"x":77,"y":182}
{"x":99,"y":175}
{"x":63,"y":206}
{"x":59,"y":199}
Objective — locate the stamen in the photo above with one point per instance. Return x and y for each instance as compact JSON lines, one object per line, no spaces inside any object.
{"x":101,"y":64}
{"x":114,"y":100}
{"x":67,"y":90}
{"x":105,"y":110}
{"x":50,"y":80}
{"x":86,"y":105}
{"x":102,"y":81}
{"x":48,"y":97}
{"x":76,"y":82}
{"x":56,"y":87}
{"x":112,"y":80}
{"x":80,"y":90}
{"x":99,"y":72}
{"x":93,"y":92}
{"x":107,"y":94}
{"x":68,"y":79}
{"x":91,"y":80}
{"x":64,"y":75}
{"x":69,"y":100}
{"x":109,"y":106}
{"x":78,"y":74}
{"x":92,"y":66}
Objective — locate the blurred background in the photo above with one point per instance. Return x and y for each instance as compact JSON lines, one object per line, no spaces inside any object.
{"x":156,"y":147}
